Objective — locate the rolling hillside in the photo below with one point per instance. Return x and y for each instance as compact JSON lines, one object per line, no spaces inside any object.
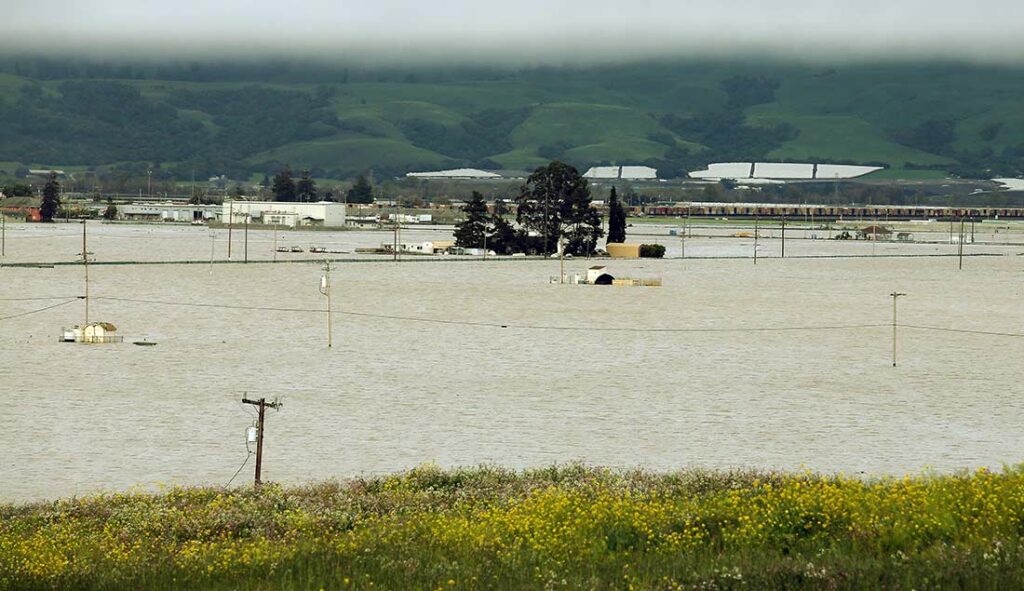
{"x":675,"y":116}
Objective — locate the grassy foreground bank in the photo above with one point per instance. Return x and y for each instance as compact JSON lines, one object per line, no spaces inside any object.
{"x":564,"y":527}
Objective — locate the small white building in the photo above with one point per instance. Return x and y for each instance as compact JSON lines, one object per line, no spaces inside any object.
{"x":284,"y":213}
{"x":94,"y":332}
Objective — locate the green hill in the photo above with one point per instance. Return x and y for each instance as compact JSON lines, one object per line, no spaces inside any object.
{"x":240,"y":119}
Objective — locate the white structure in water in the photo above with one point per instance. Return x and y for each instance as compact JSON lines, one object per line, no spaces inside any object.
{"x":94,"y":332}
{"x":284,"y":213}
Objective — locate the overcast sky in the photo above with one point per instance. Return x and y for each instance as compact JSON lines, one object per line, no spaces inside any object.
{"x":552,"y":31}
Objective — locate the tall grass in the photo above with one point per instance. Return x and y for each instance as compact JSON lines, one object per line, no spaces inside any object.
{"x":563,"y":527}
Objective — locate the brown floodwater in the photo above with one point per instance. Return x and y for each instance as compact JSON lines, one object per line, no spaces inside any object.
{"x":785,"y":364}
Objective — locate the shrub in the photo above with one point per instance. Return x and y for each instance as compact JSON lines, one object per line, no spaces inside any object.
{"x":652,"y":251}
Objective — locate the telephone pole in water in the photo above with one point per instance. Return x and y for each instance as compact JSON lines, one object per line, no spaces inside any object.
{"x":895,"y":295}
{"x":325,"y":289}
{"x":262,"y":405}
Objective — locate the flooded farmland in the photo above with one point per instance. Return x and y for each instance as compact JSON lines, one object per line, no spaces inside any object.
{"x":784,"y":364}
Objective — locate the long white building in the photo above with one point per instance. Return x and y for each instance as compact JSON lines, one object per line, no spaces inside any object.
{"x":781,"y":171}
{"x":284,"y":213}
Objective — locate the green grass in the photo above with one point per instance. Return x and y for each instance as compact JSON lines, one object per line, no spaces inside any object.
{"x":579,"y":124}
{"x":840,"y":138}
{"x":568,"y":527}
{"x":520,"y":159}
{"x":352,"y":153}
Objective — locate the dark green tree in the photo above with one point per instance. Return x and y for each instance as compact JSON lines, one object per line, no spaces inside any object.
{"x":555,"y":202}
{"x":361,"y":191}
{"x":504,"y":238}
{"x":284,"y":185}
{"x":305,"y":189}
{"x":51,"y":199}
{"x":472,"y":231}
{"x":616,"y":218}
{"x":110,"y":213}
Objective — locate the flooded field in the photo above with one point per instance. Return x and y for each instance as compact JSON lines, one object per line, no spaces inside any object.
{"x":784,"y":364}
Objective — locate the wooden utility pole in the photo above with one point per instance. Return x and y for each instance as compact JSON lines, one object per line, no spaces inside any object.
{"x":960,"y":251}
{"x":325,"y":289}
{"x":231,"y":222}
{"x":895,"y":295}
{"x":783,"y":236}
{"x":755,"y":240}
{"x":246,"y":249}
{"x":262,"y":405}
{"x":85,"y":264}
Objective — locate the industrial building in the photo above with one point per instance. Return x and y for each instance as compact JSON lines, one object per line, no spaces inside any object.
{"x":284,"y":213}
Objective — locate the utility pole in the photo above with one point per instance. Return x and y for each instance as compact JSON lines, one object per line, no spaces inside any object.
{"x":960,"y":250}
{"x":213,"y":243}
{"x":395,"y":246}
{"x":325,"y":289}
{"x":149,"y":183}
{"x":275,"y":243}
{"x":895,"y":295}
{"x":3,"y":234}
{"x":783,"y":236}
{"x":561,"y":260}
{"x":682,"y":242}
{"x":231,"y":220}
{"x":245,"y":250}
{"x":262,"y":405}
{"x":85,"y":264}
{"x":755,"y":240}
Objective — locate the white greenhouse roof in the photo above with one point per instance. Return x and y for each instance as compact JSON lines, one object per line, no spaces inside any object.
{"x":457,"y":173}
{"x":1011,"y":184}
{"x":781,"y":171}
{"x":622,"y":172}
{"x":772,"y":170}
{"x":844,"y":171}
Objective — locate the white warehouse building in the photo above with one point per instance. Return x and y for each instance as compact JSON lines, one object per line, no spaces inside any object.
{"x":285,"y":213}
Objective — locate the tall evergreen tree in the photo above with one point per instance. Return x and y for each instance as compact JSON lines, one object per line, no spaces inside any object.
{"x":305,"y":189}
{"x":616,"y":218}
{"x":361,"y":191}
{"x":51,"y":199}
{"x":471,"y":232}
{"x":555,"y":203}
{"x":284,"y":185}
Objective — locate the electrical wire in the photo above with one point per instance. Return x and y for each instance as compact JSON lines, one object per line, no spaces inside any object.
{"x":503,"y":325}
{"x":36,"y":299}
{"x":240,"y":468}
{"x":244,"y":462}
{"x":39,"y":310}
{"x":963,"y":330}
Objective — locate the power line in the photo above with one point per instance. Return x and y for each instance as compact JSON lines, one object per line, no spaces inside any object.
{"x":501,"y":325}
{"x":39,"y":310}
{"x":964,"y":330}
{"x":36,"y":299}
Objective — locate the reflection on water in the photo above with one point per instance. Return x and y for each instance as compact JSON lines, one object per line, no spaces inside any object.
{"x":395,"y":393}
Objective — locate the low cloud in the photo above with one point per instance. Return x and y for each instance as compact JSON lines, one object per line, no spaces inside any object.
{"x":530,"y":31}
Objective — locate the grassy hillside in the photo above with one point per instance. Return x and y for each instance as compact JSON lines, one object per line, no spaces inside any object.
{"x":674,"y":116}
